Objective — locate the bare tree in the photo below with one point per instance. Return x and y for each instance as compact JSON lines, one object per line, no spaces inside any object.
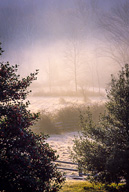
{"x":76,"y":43}
{"x":73,"y":60}
{"x":85,"y":14}
{"x":49,"y":73}
{"x":52,"y":74}
{"x":116,"y":30}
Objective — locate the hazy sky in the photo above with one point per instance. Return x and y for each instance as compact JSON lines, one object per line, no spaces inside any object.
{"x":37,"y":33}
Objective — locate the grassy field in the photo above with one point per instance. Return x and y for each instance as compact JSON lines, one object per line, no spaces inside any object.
{"x":84,"y":186}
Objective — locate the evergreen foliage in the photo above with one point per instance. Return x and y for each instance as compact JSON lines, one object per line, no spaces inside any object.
{"x":103,"y":147}
{"x":26,"y":160}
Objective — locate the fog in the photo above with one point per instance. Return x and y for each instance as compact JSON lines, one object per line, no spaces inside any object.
{"x":74,"y":43}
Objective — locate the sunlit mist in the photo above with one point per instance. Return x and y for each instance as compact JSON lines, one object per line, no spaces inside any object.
{"x":68,"y":41}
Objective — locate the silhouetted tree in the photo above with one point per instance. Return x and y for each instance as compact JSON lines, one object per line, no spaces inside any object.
{"x":26,"y":160}
{"x":103,"y":148}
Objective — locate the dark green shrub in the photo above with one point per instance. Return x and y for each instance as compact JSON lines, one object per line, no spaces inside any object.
{"x":26,"y":160}
{"x":103,"y":148}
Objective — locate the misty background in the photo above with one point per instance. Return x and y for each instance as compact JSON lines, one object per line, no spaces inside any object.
{"x":75,"y":44}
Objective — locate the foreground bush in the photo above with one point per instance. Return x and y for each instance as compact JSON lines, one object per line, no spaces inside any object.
{"x":103,"y":148}
{"x":26,"y":160}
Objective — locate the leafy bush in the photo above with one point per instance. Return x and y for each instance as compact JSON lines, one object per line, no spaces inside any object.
{"x":103,"y":148}
{"x":26,"y":160}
